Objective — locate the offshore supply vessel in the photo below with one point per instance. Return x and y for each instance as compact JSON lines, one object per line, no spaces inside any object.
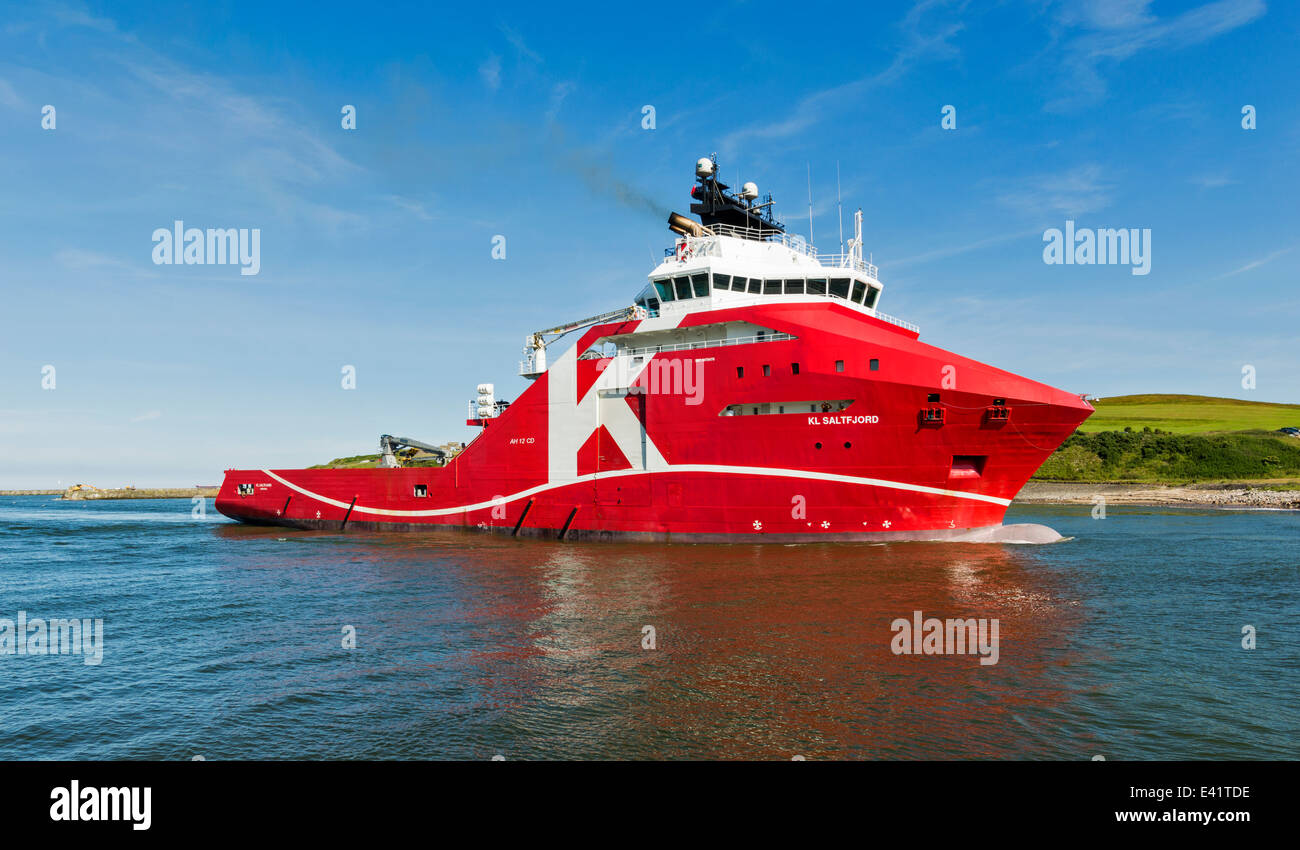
{"x":753,"y":391}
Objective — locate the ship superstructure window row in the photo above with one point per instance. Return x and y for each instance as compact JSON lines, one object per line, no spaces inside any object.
{"x":699,"y":284}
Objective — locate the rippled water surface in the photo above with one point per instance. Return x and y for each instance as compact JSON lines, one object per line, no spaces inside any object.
{"x":226,"y":641}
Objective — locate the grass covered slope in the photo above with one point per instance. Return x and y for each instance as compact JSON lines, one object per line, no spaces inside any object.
{"x":1189,"y":414}
{"x":1179,"y":439}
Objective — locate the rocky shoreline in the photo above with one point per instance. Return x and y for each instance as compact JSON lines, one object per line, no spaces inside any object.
{"x":1229,"y":495}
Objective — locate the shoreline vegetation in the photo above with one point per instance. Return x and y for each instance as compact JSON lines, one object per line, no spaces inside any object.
{"x":1176,"y":450}
{"x":1154,"y":450}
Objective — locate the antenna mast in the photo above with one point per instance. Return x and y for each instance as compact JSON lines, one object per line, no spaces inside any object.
{"x":855,"y":244}
{"x":839,"y":204}
{"x":810,"y":223}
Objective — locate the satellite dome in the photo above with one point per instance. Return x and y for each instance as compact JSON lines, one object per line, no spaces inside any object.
{"x":749,"y":191}
{"x":703,"y":167}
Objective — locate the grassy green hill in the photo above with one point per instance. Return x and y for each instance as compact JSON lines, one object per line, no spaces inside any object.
{"x":1179,"y":439}
{"x":1190,"y":414}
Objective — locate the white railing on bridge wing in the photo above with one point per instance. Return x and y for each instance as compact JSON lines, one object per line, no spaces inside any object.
{"x":894,"y":320}
{"x":708,"y":246}
{"x":848,"y":261}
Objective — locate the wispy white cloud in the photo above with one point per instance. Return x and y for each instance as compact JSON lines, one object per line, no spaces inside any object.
{"x":147,"y":416}
{"x":77,"y":259}
{"x":559,"y":93}
{"x":927,"y":32}
{"x":184,"y":115}
{"x":8,"y":96}
{"x":1074,"y":192}
{"x":1212,"y":181}
{"x":415,"y":208}
{"x":80,"y":16}
{"x":490,"y":72}
{"x":966,"y":248}
{"x":517,"y":42}
{"x":1254,"y":264}
{"x":1099,"y":34}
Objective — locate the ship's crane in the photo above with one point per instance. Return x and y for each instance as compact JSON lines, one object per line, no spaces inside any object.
{"x":389,"y":444}
{"x":534,"y":362}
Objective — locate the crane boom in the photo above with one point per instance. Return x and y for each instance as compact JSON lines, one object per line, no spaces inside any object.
{"x":389,"y":444}
{"x":535,"y":344}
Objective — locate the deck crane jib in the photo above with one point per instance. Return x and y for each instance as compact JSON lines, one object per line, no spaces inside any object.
{"x":534,"y":362}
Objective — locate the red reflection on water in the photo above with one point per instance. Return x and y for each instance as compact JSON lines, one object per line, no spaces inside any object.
{"x":762,"y":651}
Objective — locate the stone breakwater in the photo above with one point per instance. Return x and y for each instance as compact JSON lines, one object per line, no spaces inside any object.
{"x":132,"y":493}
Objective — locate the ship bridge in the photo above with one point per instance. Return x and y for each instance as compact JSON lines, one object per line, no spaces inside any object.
{"x":739,"y":255}
{"x":728,"y":266}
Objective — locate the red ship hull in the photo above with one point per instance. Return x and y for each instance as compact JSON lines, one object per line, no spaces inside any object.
{"x":859,"y":432}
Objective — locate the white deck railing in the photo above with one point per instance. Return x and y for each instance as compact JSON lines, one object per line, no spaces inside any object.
{"x":707,"y":246}
{"x":894,"y":320}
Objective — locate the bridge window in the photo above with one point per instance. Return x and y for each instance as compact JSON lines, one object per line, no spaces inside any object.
{"x":701,"y":284}
{"x":794,"y":287}
{"x":722,"y":281}
{"x":664,"y":287}
{"x":771,"y":287}
{"x":817,"y":286}
{"x":755,"y":285}
{"x":859,"y":290}
{"x":738,"y":284}
{"x":872,"y":295}
{"x":840,"y":288}
{"x":683,"y":287}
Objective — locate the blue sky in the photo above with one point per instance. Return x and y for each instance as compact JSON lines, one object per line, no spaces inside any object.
{"x":526,"y":121}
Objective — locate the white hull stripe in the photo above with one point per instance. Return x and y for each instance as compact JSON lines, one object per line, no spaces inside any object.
{"x":682,"y":467}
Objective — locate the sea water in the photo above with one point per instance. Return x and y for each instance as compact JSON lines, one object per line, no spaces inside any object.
{"x":1131,"y":640}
